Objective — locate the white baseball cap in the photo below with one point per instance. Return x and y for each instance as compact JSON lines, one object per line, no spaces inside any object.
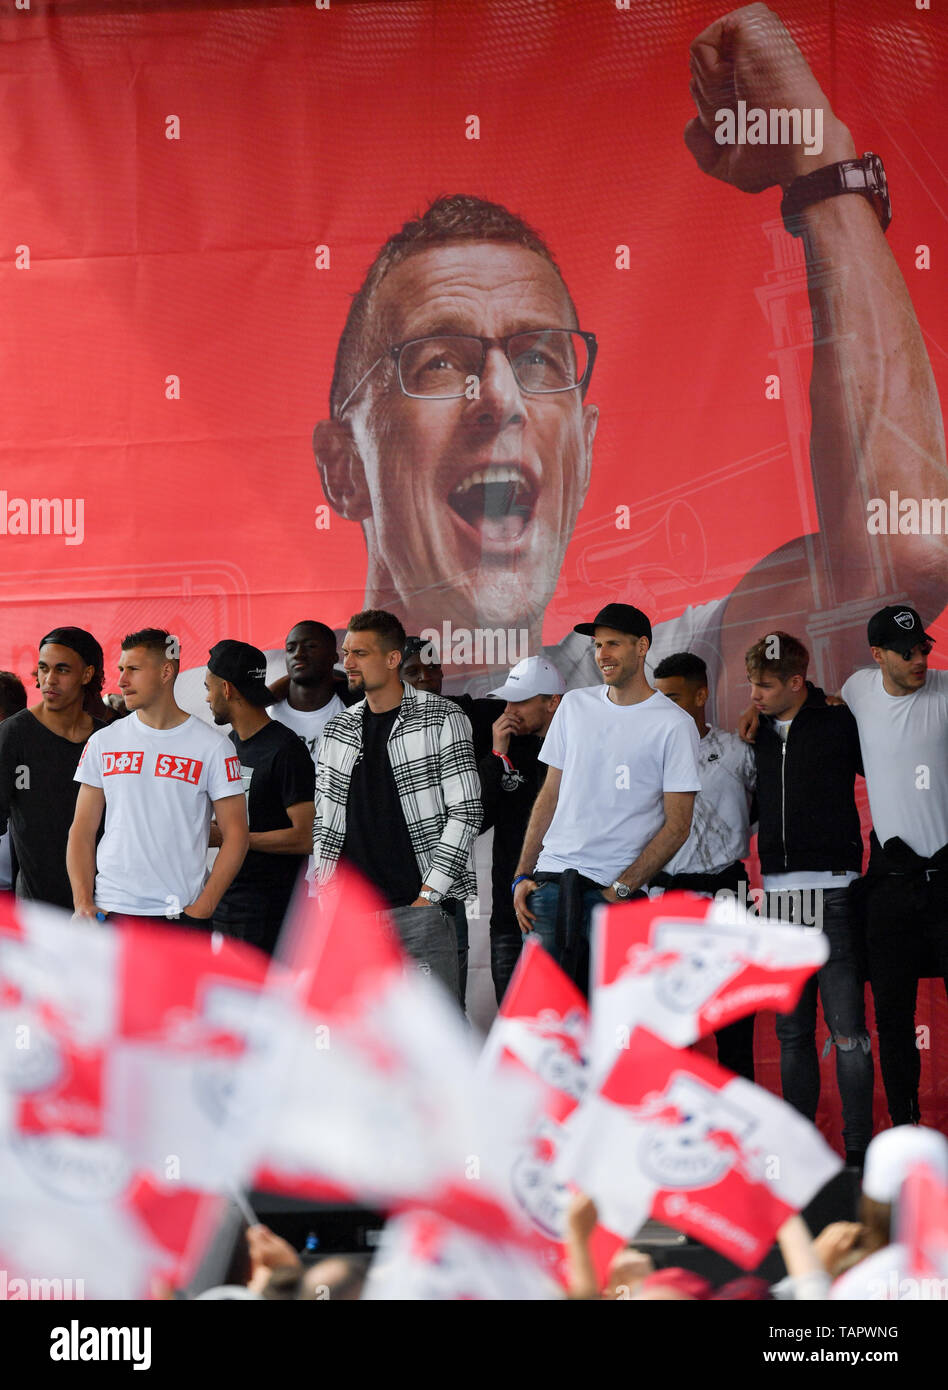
{"x":532,"y":676}
{"x":894,"y":1152}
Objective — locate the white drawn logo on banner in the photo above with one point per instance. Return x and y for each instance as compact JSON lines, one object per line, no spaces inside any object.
{"x":683,"y":1154}
{"x":705,"y":963}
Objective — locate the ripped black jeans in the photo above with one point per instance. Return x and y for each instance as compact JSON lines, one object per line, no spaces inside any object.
{"x":843,"y":995}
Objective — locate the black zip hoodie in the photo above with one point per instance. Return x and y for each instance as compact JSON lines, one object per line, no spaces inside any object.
{"x":805,"y":790}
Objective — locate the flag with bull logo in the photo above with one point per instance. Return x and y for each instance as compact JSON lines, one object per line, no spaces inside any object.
{"x":381,"y":1101}
{"x":670,"y":1135}
{"x":682,"y":967}
{"x":542,"y":1028}
{"x":113,"y":1137}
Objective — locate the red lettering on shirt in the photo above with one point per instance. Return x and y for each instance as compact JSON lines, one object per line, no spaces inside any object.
{"x":233,"y":769}
{"x":180,"y":769}
{"x":113,"y":763}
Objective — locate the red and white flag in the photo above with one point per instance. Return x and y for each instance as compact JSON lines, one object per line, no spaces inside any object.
{"x":382,"y":1103}
{"x":683,"y":966}
{"x":422,"y":1256}
{"x":542,"y":1029}
{"x":672,"y":1136}
{"x":102,"y":1190}
{"x":923,"y":1225}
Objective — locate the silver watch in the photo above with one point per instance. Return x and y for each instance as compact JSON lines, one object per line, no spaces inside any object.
{"x":431,"y":895}
{"x":622,"y":890}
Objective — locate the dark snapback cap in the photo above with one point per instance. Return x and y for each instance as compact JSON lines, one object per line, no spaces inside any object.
{"x":897,"y":627}
{"x":621,"y":616}
{"x":244,"y":666}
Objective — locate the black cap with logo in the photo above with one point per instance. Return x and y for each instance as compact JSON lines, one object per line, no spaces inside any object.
{"x":620,"y":616}
{"x":244,"y":666}
{"x":898,"y":628}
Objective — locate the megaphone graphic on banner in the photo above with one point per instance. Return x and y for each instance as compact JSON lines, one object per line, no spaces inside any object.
{"x":672,"y":548}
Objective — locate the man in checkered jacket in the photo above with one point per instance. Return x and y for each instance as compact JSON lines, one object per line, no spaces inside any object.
{"x":398,"y":795}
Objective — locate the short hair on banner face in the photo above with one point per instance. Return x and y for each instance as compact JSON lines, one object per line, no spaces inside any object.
{"x":448,"y":220}
{"x":157,"y":641}
{"x":778,"y":654}
{"x":386,"y":627}
{"x":684,"y":664}
{"x":12,"y":694}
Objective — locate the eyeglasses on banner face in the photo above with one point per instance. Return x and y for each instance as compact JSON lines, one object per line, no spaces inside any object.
{"x":544,"y":361}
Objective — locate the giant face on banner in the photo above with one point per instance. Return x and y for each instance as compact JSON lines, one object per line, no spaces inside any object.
{"x":576,"y":370}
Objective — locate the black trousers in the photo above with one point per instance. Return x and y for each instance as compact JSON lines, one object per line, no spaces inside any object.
{"x":735,"y":1042}
{"x":906,"y":940}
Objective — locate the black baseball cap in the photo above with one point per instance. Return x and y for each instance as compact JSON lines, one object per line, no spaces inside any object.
{"x":897,"y":627}
{"x":621,"y":616}
{"x":244,"y":666}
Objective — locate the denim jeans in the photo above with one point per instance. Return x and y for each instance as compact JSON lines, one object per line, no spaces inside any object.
{"x":429,"y":935}
{"x":506,"y":943}
{"x":842,"y":994}
{"x":459,"y":917}
{"x":573,"y":957}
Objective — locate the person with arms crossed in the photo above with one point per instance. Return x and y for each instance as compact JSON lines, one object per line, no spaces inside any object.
{"x":397,"y":796}
{"x":901,"y":711}
{"x":711,"y":859}
{"x":618,"y":796}
{"x":810,"y":848}
{"x":40,"y":749}
{"x":279,"y":779}
{"x":157,"y":775}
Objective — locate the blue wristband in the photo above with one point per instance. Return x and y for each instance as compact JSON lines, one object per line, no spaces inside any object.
{"x":519,"y":879}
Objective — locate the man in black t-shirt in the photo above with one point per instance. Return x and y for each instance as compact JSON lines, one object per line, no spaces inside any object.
{"x":511,"y":775}
{"x":279,"y":779}
{"x":40,"y":749}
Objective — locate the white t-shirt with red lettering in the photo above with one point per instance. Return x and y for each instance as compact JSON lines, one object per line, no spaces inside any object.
{"x":159,"y":786}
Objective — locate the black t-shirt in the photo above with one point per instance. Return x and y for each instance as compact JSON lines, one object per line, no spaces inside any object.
{"x":507,"y":809}
{"x":38,"y":800}
{"x":277,"y":772}
{"x":377,"y":841}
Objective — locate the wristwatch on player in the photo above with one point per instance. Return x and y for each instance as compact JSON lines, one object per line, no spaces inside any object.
{"x":622,"y":890}
{"x":865,"y":176}
{"x":431,"y":895}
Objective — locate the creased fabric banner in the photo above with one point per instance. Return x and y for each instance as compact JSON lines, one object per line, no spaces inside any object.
{"x":543,"y":1027}
{"x":681,"y":967}
{"x":672,"y":1136}
{"x":114,"y":1131}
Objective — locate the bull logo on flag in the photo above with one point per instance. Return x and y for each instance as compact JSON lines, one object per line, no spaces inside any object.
{"x":31,"y":1065}
{"x":75,"y":1168}
{"x":561,"y":1065}
{"x":534,"y":1183}
{"x":701,"y":1138}
{"x":702,"y":962}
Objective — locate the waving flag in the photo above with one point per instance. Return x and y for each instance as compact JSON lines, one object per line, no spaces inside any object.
{"x":382,"y":1103}
{"x":104,"y":1185}
{"x":682,"y":966}
{"x":542,"y":1028}
{"x":423,"y":1256}
{"x":923,"y":1225}
{"x":671,"y":1135}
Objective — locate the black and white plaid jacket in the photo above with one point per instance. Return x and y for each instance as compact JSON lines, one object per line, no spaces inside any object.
{"x":432,"y":757}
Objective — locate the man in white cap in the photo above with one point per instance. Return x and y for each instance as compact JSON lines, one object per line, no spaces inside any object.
{"x":511,"y":776}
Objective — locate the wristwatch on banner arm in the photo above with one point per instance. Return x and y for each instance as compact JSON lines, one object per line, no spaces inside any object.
{"x":865,"y":176}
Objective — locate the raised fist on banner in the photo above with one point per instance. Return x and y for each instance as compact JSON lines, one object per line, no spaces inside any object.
{"x":749,"y":79}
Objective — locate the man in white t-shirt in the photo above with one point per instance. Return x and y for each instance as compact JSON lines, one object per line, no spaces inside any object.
{"x":901,"y":712}
{"x":159,"y":773}
{"x":618,"y":797}
{"x":711,"y":860}
{"x":311,"y":693}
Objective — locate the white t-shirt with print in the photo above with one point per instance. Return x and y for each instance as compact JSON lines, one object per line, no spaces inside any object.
{"x":307,"y":724}
{"x":617,"y":762}
{"x":904,"y":742}
{"x":159,"y":786}
{"x":720,"y":827}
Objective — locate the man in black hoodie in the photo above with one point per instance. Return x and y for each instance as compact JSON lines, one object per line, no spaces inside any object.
{"x":810,"y":848}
